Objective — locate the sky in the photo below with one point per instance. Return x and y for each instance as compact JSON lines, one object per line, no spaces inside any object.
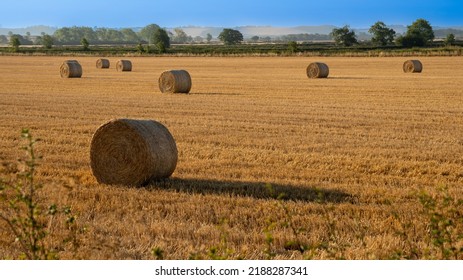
{"x":176,"y":13}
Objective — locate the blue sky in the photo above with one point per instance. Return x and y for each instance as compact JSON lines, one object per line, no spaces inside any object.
{"x":173,"y":13}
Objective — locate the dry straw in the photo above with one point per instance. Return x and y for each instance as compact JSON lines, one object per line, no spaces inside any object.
{"x":175,"y":81}
{"x":413,"y":66}
{"x":102,"y":63}
{"x":132,"y":152}
{"x":317,"y":70}
{"x":70,"y":69}
{"x":124,"y":65}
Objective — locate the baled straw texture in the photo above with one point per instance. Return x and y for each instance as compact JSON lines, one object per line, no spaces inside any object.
{"x":124,"y":65}
{"x":413,"y":66}
{"x":70,"y":69}
{"x":132,"y":152}
{"x":102,"y":63}
{"x":175,"y":81}
{"x":317,"y":70}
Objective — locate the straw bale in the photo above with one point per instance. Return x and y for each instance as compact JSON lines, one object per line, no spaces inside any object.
{"x":317,"y":70}
{"x":132,"y":152}
{"x":175,"y":81}
{"x":70,"y":69}
{"x":124,"y":65}
{"x":413,"y":66}
{"x":102,"y":63}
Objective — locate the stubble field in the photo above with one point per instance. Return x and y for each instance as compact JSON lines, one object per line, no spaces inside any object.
{"x":351,"y":153}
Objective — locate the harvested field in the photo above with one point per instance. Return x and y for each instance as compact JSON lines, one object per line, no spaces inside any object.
{"x":351,"y":152}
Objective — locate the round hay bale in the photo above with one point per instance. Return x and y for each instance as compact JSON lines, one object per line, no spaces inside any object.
{"x":132,"y":152}
{"x":102,"y":63}
{"x":413,"y":66}
{"x":175,"y":81}
{"x":70,"y":69}
{"x":317,"y":70}
{"x":124,"y":65}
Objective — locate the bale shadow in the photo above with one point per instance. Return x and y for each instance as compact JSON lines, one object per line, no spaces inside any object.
{"x":214,"y":93}
{"x":255,"y":190}
{"x":347,"y":78}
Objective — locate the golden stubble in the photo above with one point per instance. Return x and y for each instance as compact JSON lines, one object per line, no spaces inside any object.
{"x":350,"y":152}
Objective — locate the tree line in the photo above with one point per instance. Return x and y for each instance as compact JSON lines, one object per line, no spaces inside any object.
{"x":419,"y":33}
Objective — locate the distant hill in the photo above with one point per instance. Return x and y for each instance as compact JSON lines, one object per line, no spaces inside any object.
{"x":34,"y":30}
{"x":249,"y":31}
{"x":261,"y":31}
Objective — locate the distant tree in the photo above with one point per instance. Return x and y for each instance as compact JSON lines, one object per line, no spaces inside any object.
{"x":344,"y":36}
{"x":198,"y":39}
{"x":292,"y":46}
{"x":140,"y":48}
{"x":73,"y":35}
{"x":108,"y":35}
{"x":47,"y":41}
{"x":63,"y":35}
{"x":208,"y":37}
{"x":161,"y":40}
{"x":22,"y":40}
{"x":85,"y":44}
{"x":266,"y":39}
{"x":15,"y":42}
{"x":230,"y":36}
{"x":419,"y":34}
{"x":382,"y":35}
{"x":147,"y":32}
{"x":449,"y":40}
{"x":3,"y":39}
{"x":180,"y":36}
{"x":129,"y":35}
{"x":255,"y":39}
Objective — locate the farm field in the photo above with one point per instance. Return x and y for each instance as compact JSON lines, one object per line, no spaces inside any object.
{"x":351,"y":153}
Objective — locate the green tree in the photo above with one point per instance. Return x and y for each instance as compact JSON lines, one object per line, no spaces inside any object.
{"x":85,"y":44}
{"x":419,"y":34}
{"x":230,"y":36}
{"x":73,"y":35}
{"x":109,"y":35}
{"x":140,"y":48}
{"x":47,"y":41}
{"x":161,"y":40}
{"x":381,"y":34}
{"x":129,"y":35}
{"x":292,"y":47}
{"x":344,"y":36}
{"x":255,"y":39}
{"x":147,"y":32}
{"x":449,"y":40}
{"x":15,"y":42}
